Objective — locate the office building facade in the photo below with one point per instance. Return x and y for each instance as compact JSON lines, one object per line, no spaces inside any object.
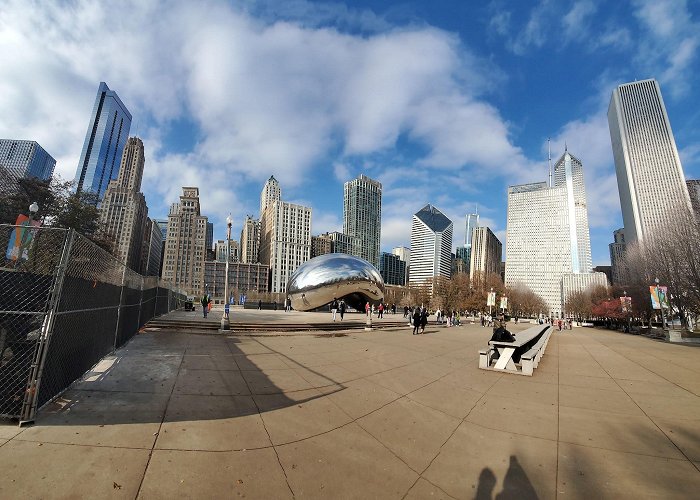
{"x":547,"y":235}
{"x":123,"y":211}
{"x":617,"y":257}
{"x":270,"y":193}
{"x":285,"y":241}
{"x":392,"y":269}
{"x":404,"y":253}
{"x":431,"y":245}
{"x":243,"y":278}
{"x":185,"y":247}
{"x":362,"y":216}
{"x":650,"y":177}
{"x":321,"y":245}
{"x":250,"y":240}
{"x":26,"y":159}
{"x":486,"y":253}
{"x":220,"y":251}
{"x":151,"y":254}
{"x":105,"y":139}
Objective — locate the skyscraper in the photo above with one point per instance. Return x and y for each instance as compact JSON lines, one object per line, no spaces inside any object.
{"x":472,"y":221}
{"x":568,"y":173}
{"x":392,"y":269}
{"x":649,"y":173}
{"x":26,"y":159}
{"x":123,"y":212}
{"x":270,"y":193}
{"x":250,"y":240}
{"x":404,"y":253}
{"x":210,"y":236}
{"x":362,"y":216}
{"x":185,"y":246}
{"x":547,"y":235}
{"x":151,"y":254}
{"x":285,"y":241}
{"x":104,"y":142}
{"x":617,"y":257}
{"x":486,"y":252}
{"x":431,"y":245}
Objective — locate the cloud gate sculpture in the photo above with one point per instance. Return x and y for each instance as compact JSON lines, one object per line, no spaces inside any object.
{"x":335,"y":275}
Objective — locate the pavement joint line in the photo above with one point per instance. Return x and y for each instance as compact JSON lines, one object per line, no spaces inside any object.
{"x":697,"y":467}
{"x":556,"y":474}
{"x":420,"y":474}
{"x":262,"y":420}
{"x":160,"y":427}
{"x":652,"y":371}
{"x":85,"y":445}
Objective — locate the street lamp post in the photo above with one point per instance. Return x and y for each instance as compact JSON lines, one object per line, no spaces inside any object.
{"x":225,"y":325}
{"x":661,"y":306}
{"x":490,"y":294}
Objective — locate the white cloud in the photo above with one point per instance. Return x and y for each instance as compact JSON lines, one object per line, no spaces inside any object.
{"x":341,"y":171}
{"x":670,"y":42}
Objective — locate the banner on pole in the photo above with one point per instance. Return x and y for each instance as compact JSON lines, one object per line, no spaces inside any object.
{"x":504,"y":302}
{"x":659,"y":297}
{"x":21,"y":238}
{"x":491,"y":300}
{"x":626,"y":303}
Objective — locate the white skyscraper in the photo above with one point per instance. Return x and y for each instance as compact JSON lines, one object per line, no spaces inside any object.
{"x":431,"y":245}
{"x":547,"y":235}
{"x":285,"y":241}
{"x":270,"y":192}
{"x":362,"y":216}
{"x":650,"y":177}
{"x":472,"y":221}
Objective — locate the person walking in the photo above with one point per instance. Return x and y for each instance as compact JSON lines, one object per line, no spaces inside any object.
{"x":334,"y":307}
{"x":438,"y":316}
{"x":393,"y":308}
{"x":341,"y":308}
{"x":380,"y":310}
{"x":205,"y":304}
{"x":423,"y":319}
{"x":259,"y":304}
{"x":416,"y":320}
{"x":288,"y":304}
{"x":368,"y":310}
{"x":405,"y":311}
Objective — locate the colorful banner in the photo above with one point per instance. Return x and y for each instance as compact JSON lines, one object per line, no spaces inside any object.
{"x":491,"y":300}
{"x":504,"y":302}
{"x":21,"y":239}
{"x":659,"y":297}
{"x":626,"y":303}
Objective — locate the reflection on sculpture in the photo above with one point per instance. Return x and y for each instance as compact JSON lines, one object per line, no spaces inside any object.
{"x":335,"y":275}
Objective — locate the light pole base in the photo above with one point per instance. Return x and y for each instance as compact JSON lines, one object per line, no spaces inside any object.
{"x":225,"y":325}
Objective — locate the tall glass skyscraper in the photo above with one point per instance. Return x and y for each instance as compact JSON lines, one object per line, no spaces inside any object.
{"x":362,"y":216}
{"x":26,"y":159}
{"x":104,"y":142}
{"x":650,"y":177}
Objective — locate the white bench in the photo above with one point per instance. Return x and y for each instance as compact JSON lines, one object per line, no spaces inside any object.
{"x":506,"y":350}
{"x":531,"y":358}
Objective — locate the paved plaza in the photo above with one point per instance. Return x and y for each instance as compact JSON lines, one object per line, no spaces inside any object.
{"x":381,"y":414}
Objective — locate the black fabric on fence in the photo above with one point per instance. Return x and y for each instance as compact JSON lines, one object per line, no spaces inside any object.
{"x":128,"y":316}
{"x":148,"y":306}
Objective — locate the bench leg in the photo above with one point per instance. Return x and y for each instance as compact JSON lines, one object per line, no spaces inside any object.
{"x":527,"y":367}
{"x":484,"y":359}
{"x":505,"y":362}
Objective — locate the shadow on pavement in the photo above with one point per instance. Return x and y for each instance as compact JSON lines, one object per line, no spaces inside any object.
{"x":516,"y":484}
{"x":166,"y":377}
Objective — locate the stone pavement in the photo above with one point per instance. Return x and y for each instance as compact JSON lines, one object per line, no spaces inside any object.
{"x":379,"y":414}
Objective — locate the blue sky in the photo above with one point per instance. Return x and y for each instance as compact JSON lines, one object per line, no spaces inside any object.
{"x":444,"y":102}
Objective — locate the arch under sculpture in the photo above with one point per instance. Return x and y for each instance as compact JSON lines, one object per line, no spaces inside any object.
{"x":335,"y":275}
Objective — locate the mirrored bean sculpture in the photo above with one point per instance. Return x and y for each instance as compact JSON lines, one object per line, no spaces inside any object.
{"x":335,"y":275}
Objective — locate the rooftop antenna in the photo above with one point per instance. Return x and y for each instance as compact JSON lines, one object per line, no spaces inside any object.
{"x":549,"y":159}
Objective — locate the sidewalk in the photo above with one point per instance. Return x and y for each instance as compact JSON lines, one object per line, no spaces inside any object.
{"x":379,"y":414}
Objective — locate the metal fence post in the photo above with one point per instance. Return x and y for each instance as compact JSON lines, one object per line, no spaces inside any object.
{"x":121,"y":305}
{"x":34,"y":383}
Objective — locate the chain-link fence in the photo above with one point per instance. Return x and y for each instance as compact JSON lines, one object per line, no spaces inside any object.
{"x":64,"y":304}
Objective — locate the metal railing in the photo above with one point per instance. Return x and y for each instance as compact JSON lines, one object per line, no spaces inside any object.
{"x":64,"y":304}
